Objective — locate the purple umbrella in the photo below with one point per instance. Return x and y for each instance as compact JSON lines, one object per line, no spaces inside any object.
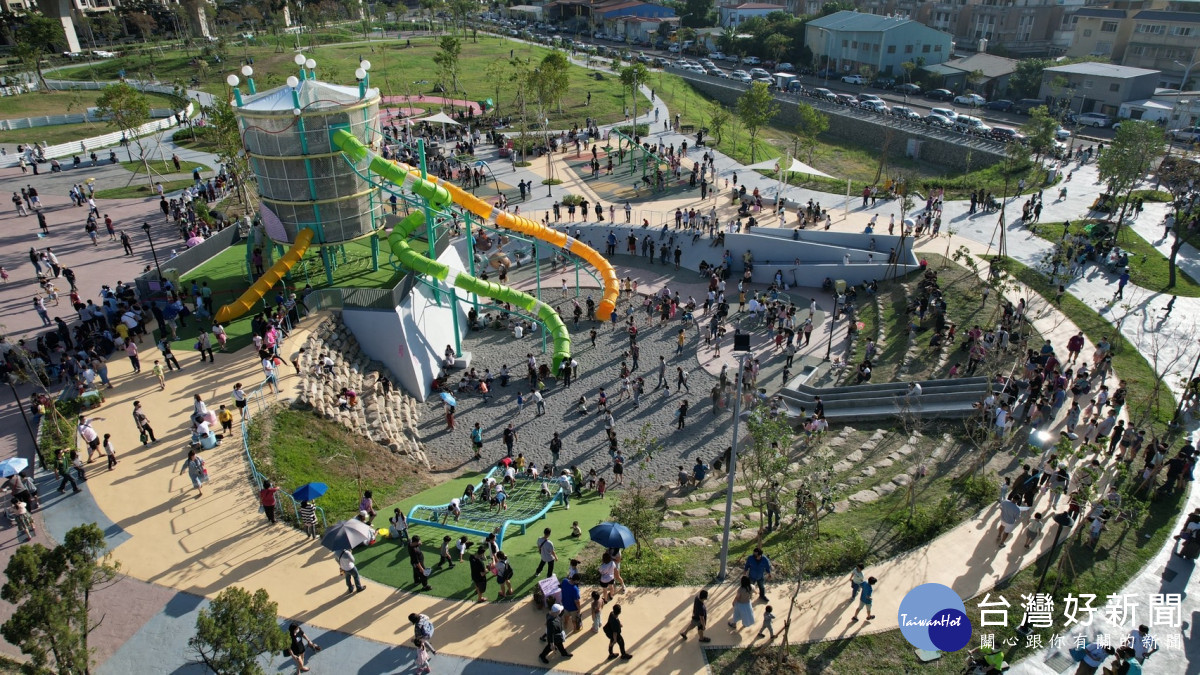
{"x":194,"y":241}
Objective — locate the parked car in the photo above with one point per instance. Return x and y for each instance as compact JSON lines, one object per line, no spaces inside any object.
{"x":854,"y":79}
{"x":674,"y":49}
{"x":827,"y":73}
{"x":945,"y":112}
{"x":785,"y":67}
{"x":904,"y":113}
{"x":864,"y":97}
{"x":759,"y":72}
{"x":1061,"y":134}
{"x":1007,"y":135}
{"x":940,"y":94}
{"x":935,"y":120}
{"x":716,"y":56}
{"x":102,"y":54}
{"x":908,"y":88}
{"x":1023,"y":106}
{"x":741,"y":76}
{"x":973,"y":100}
{"x":659,"y":62}
{"x":752,"y":60}
{"x":767,"y":80}
{"x":1092,"y":119}
{"x":715,"y":72}
{"x":845,"y":99}
{"x":972,"y":125}
{"x":1187,"y":135}
{"x":822,"y":92}
{"x":874,"y":105}
{"x":1001,"y":104}
{"x":883,"y":82}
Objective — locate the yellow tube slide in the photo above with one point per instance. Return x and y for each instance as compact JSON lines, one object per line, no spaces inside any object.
{"x":267,"y":281}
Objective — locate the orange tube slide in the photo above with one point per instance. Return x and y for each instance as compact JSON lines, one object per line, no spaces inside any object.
{"x":263,"y":285}
{"x":540,"y":232}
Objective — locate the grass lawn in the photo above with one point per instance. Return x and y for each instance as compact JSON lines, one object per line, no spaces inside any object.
{"x":1127,"y":360}
{"x":226,"y":275}
{"x":395,"y":69}
{"x":164,"y":167}
{"x":1147,"y":267}
{"x":835,"y":156}
{"x":139,"y":190}
{"x":39,"y":104}
{"x":292,"y":447}
{"x":387,"y":561}
{"x":59,"y":133}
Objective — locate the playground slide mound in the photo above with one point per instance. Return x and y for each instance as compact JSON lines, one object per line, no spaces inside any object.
{"x":263,"y":285}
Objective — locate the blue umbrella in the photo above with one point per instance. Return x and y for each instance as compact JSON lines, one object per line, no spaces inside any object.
{"x":449,"y":400}
{"x":612,"y":535}
{"x":12,"y":466}
{"x":310,"y":491}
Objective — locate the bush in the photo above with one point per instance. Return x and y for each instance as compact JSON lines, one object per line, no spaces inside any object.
{"x":925,"y":524}
{"x":836,"y":555}
{"x":641,"y":131}
{"x":656,"y":567}
{"x":572,"y":200}
{"x":977,"y":490}
{"x":1160,"y":196}
{"x":55,"y":437}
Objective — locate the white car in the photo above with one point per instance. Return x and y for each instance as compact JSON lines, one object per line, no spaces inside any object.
{"x":854,"y":79}
{"x":1188,"y":135}
{"x":1061,"y":134}
{"x":786,"y":67}
{"x":717,"y":56}
{"x":945,"y":112}
{"x":674,"y":49}
{"x":751,"y":60}
{"x":973,"y":100}
{"x":874,"y":105}
{"x":1092,"y":120}
{"x":102,"y":54}
{"x":741,"y":76}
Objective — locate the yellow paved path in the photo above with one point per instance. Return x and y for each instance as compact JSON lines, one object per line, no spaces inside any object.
{"x":204,"y":544}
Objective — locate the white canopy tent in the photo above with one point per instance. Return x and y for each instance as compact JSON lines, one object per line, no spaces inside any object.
{"x":795,"y":167}
{"x":440,"y":118}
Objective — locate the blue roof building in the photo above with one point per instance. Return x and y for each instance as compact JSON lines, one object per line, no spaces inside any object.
{"x":848,"y":42}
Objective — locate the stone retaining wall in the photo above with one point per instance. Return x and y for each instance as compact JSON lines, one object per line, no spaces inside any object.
{"x":389,"y":419}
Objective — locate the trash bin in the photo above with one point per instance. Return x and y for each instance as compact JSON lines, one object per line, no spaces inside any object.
{"x":839,"y":286}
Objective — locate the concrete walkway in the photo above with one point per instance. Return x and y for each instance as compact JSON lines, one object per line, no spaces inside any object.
{"x":180,"y":548}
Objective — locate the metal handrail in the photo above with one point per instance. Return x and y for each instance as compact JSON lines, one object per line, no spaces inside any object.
{"x":259,"y":399}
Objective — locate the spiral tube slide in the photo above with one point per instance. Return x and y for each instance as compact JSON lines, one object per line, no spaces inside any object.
{"x":409,"y":257}
{"x":439,"y":193}
{"x":263,"y":285}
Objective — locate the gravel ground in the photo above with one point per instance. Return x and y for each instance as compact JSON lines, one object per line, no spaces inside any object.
{"x":583,"y":436}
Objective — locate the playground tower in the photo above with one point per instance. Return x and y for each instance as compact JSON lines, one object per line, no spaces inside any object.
{"x":303,"y":179}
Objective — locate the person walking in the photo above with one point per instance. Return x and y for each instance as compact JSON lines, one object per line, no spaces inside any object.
{"x":89,"y":435}
{"x":268,"y":497}
{"x":145,"y":431}
{"x":758,"y":568}
{"x":204,"y":346}
{"x":867,"y":591}
{"x":554,"y":634}
{"x":308,"y":518}
{"x":479,"y":573}
{"x":299,"y":645}
{"x":856,"y":581}
{"x":422,"y":631}
{"x":197,"y":473}
{"x":132,"y":351}
{"x":547,"y":553}
{"x":612,"y":630}
{"x":416,"y":557}
{"x":345,"y":560}
{"x":681,"y":414}
{"x":743,"y":611}
{"x":699,"y":617}
{"x":63,"y":466}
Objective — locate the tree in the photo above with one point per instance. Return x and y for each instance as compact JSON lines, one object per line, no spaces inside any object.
{"x":777,"y":45}
{"x":143,"y":23}
{"x":719,"y":117}
{"x":638,"y":507}
{"x":1179,"y":175}
{"x":51,"y":588}
{"x":634,"y":76}
{"x":755,"y":109}
{"x":1127,"y":160}
{"x":697,"y":13}
{"x":500,"y":74}
{"x":812,"y":123}
{"x":226,"y":134}
{"x":36,"y":38}
{"x":1026,"y":80}
{"x":1040,"y":130}
{"x":556,"y":72}
{"x":127,"y":109}
{"x":908,"y":67}
{"x":764,"y":461}
{"x":446,"y":59}
{"x":235,"y":630}
{"x":975,"y":78}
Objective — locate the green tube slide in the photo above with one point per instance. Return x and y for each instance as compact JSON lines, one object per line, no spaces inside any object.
{"x":410,"y":258}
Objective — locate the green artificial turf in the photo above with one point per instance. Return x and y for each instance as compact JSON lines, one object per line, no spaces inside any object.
{"x":387,"y":561}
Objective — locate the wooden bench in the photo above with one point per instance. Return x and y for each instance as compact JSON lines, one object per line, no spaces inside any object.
{"x":687,"y":128}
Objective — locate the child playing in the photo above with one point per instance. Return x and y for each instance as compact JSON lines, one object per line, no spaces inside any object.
{"x":576,"y":532}
{"x":591,"y":479}
{"x":463,"y":545}
{"x":504,"y":575}
{"x":423,"y":661}
{"x":601,"y":486}
{"x":1033,"y":530}
{"x":226,"y":419}
{"x":768,"y":623}
{"x":162,"y":376}
{"x":597,"y":607}
{"x":445,"y":554}
{"x":3,"y":275}
{"x":110,"y":451}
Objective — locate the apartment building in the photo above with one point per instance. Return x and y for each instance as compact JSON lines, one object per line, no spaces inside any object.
{"x":1165,"y":38}
{"x":848,"y":42}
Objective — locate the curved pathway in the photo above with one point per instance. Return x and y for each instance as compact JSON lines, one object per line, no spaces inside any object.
{"x":165,"y":535}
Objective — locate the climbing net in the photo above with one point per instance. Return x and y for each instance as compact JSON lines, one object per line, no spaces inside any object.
{"x":527,"y":501}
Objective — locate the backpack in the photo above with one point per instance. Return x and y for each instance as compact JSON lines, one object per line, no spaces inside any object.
{"x":508,"y":571}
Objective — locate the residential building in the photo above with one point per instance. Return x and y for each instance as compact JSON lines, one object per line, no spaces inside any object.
{"x":1169,"y":107}
{"x":1164,"y":37}
{"x":850,"y":42}
{"x":596,"y":13}
{"x":732,"y":15}
{"x":1097,"y":87}
{"x":995,"y":71}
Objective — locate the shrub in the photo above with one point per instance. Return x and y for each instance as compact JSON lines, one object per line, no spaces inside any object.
{"x":572,"y":200}
{"x":641,"y":131}
{"x":925,"y":523}
{"x":656,"y":567}
{"x":835,"y":555}
{"x":977,"y":490}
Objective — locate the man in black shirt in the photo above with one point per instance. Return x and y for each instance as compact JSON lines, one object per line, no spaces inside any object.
{"x":417,"y":558}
